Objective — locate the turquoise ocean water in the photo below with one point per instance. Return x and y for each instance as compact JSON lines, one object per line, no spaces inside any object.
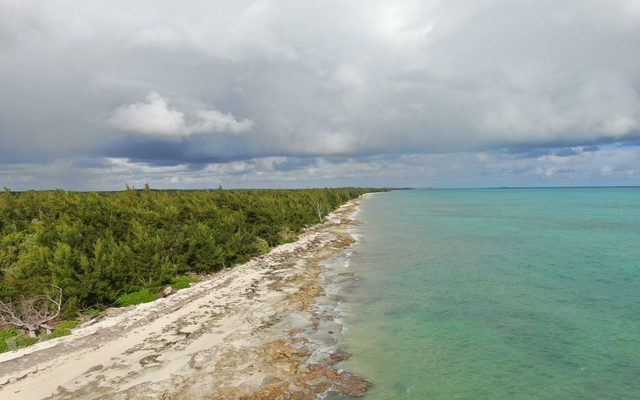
{"x":497,"y":294}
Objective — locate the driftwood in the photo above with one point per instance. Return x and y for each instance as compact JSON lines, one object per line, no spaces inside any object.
{"x":32,"y":314}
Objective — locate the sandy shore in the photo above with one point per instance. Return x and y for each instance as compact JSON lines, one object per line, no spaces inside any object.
{"x":254,"y":331}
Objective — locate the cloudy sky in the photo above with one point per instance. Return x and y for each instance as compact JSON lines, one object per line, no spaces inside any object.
{"x":275,"y":93}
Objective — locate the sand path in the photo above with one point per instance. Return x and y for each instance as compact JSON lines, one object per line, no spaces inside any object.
{"x":254,"y":331}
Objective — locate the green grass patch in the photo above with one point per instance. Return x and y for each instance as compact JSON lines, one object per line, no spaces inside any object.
{"x":62,"y":329}
{"x":70,"y":324}
{"x":284,"y":241}
{"x":90,"y":312}
{"x":7,"y":333}
{"x":182,"y":282}
{"x":56,"y":333}
{"x":18,"y":342}
{"x":13,"y":339}
{"x":139,"y":297}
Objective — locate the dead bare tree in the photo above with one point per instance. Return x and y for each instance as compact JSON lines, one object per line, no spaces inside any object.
{"x":32,"y":314}
{"x":319,"y":208}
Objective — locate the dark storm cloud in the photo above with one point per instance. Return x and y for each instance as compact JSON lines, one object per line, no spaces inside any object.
{"x":536,"y":152}
{"x":22,"y":156}
{"x":630,"y":143}
{"x":89,"y":162}
{"x":294,"y":163}
{"x":186,"y":151}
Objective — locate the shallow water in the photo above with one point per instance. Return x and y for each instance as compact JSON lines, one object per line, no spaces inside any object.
{"x":497,"y":294}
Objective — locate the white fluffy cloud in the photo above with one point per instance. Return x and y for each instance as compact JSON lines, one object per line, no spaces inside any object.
{"x":216,"y":121}
{"x":154,"y":117}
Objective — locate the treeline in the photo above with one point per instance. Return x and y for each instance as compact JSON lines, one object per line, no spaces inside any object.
{"x":97,"y":247}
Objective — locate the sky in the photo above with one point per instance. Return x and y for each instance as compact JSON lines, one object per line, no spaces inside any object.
{"x":286,"y":94}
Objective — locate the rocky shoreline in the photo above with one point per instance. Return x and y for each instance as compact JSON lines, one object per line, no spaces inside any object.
{"x":251,"y":332}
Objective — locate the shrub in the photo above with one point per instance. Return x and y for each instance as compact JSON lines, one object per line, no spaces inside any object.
{"x":261,"y":245}
{"x":139,"y":297}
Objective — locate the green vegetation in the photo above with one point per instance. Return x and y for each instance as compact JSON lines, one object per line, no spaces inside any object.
{"x":6,"y":334}
{"x":62,"y":329}
{"x":96,"y":250}
{"x":143,"y":295}
{"x":14,"y":339}
{"x":66,"y":325}
{"x":89,"y":312}
{"x":182,"y":282}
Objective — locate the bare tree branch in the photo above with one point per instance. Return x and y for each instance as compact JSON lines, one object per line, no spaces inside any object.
{"x":319,"y":208}
{"x":32,"y":314}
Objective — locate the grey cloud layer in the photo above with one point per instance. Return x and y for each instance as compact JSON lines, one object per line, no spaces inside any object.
{"x":196,"y":83}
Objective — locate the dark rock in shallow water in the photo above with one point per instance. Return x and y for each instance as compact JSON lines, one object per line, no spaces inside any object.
{"x":337,"y":357}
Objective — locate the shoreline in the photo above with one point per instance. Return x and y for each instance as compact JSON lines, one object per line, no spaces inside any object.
{"x":254,"y":331}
